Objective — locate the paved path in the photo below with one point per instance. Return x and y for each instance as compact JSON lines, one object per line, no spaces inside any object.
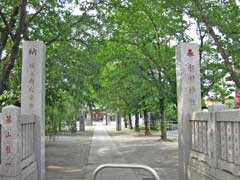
{"x":105,"y":150}
{"x":109,"y":146}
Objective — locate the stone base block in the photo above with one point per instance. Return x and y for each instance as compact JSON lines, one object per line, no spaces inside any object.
{"x":198,"y":170}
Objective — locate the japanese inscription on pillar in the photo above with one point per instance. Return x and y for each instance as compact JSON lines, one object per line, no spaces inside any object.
{"x":31,"y":80}
{"x":229,"y":142}
{"x":10,"y":142}
{"x":191,"y":78}
{"x":8,"y":136}
{"x":223,"y":141}
{"x":33,"y":91}
{"x":189,"y":100}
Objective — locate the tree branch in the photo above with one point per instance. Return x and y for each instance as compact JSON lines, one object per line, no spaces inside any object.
{"x":53,"y":39}
{"x":4,"y":76}
{"x":35,"y":14}
{"x":218,"y":43}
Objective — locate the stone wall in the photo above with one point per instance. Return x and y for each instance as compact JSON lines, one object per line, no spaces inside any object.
{"x":18,"y":145}
{"x":215,"y":144}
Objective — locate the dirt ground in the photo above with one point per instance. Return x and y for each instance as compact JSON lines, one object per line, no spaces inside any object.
{"x":67,"y":156}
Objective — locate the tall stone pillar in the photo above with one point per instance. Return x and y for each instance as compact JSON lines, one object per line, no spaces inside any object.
{"x":82,"y":121}
{"x":118,"y":121}
{"x":106,"y":116}
{"x":89,"y":119}
{"x":33,"y":92}
{"x":188,"y":97}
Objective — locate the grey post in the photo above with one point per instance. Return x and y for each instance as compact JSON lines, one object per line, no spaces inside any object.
{"x":82,"y":121}
{"x":188,"y":97}
{"x":118,"y":121}
{"x":11,"y":143}
{"x":89,"y":119}
{"x":106,"y":116}
{"x":213,"y":137}
{"x":33,"y":93}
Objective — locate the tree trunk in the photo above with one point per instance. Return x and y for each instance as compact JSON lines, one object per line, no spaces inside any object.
{"x":106,"y":118}
{"x":8,"y":66}
{"x":125,"y":121}
{"x":162,"y":120}
{"x":130,"y":121}
{"x":146,"y":123}
{"x":54,"y":126}
{"x":73,"y":126}
{"x":137,"y":122}
{"x":59,"y":127}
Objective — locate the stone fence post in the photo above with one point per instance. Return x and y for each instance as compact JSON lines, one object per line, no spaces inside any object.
{"x":11,"y":143}
{"x":89,"y":121}
{"x":118,"y":121}
{"x":213,"y":133}
{"x":82,"y":120}
{"x":188,"y":98}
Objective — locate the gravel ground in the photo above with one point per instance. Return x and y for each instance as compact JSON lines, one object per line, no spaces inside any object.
{"x":67,"y":156}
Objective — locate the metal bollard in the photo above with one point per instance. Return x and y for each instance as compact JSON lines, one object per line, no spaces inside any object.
{"x":125,"y":166}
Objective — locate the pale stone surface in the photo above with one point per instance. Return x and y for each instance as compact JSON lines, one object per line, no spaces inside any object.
{"x":228,"y":115}
{"x":229,"y":142}
{"x":222,"y":144}
{"x":205,"y":144}
{"x":16,"y":162}
{"x":223,"y":141}
{"x":189,"y":98}
{"x":33,"y":91}
{"x":89,"y":119}
{"x":11,"y":142}
{"x":213,"y":131}
{"x":237,"y":143}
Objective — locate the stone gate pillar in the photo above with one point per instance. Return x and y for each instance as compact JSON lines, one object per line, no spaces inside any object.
{"x":118,"y":121}
{"x":89,"y":121}
{"x":188,"y":98}
{"x":33,"y":93}
{"x":82,"y":121}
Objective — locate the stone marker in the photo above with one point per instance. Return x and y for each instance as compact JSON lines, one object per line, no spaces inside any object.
{"x":82,"y":120}
{"x":189,"y":98}
{"x":118,"y":121}
{"x":11,"y":143}
{"x":106,"y":117}
{"x":89,"y":119}
{"x":33,"y":92}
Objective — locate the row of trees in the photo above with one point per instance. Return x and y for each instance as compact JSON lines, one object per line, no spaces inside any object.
{"x":118,"y":53}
